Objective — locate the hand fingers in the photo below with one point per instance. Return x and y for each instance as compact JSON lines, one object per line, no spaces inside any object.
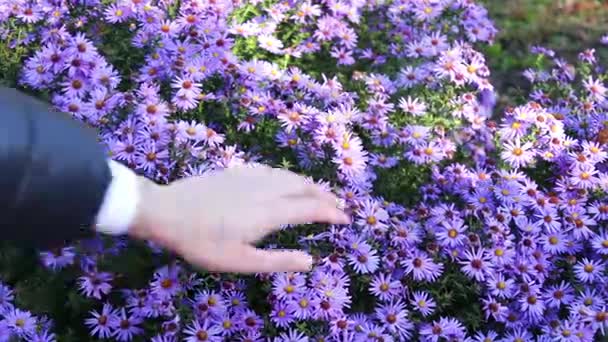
{"x":300,"y":210}
{"x":286,"y":183}
{"x":243,"y":258}
{"x":277,"y":182}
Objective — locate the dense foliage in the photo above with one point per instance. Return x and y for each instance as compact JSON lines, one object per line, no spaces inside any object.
{"x":465,"y":228}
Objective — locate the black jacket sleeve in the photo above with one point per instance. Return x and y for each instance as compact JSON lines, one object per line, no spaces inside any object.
{"x":54,"y":173}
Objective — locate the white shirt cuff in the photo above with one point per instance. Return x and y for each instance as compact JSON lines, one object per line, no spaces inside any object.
{"x":119,"y":207}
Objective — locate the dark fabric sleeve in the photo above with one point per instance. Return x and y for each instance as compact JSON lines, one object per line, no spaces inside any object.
{"x":54,"y":174}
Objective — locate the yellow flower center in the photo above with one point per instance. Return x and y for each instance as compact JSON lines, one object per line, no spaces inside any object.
{"x":372,"y":220}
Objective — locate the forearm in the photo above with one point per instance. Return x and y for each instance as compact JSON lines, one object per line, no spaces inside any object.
{"x":57,"y":185}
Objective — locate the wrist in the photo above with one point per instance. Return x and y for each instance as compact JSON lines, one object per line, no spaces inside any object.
{"x":144,"y":221}
{"x":121,"y":200}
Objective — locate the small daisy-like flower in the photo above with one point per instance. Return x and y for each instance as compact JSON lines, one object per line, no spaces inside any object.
{"x":166,"y":281}
{"x":103,"y":324}
{"x":203,"y":332}
{"x":422,"y":267}
{"x":516,"y":154}
{"x":20,"y":322}
{"x":452,"y":233}
{"x":584,"y":176}
{"x":394,"y":317}
{"x":558,"y":295}
{"x":423,"y":302}
{"x":270,"y":43}
{"x":385,"y":288}
{"x":600,"y":243}
{"x":303,"y":306}
{"x":96,"y":284}
{"x":282,"y":314}
{"x":128,"y":326}
{"x":414,"y":106}
{"x":476,"y":264}
{"x":532,"y":304}
{"x":589,"y":271}
{"x":365,"y":260}
{"x":596,"y":88}
{"x":117,"y":13}
{"x":186,"y":88}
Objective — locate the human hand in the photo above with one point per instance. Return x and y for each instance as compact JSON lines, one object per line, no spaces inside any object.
{"x":212,"y":221}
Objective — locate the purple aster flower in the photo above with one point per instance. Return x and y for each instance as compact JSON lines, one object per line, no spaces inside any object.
{"x":495,"y":309}
{"x":288,"y":286}
{"x":600,"y":243}
{"x":103,"y":324}
{"x":304,"y":305}
{"x":206,"y":331}
{"x":364,"y":260}
{"x":385,"y":288}
{"x":236,"y":300}
{"x":340,"y":326}
{"x":490,"y":336}
{"x":476,"y":264}
{"x":251,"y":336}
{"x":163,"y":338}
{"x":434,"y":331}
{"x":58,"y":259}
{"x":394,"y":316}
{"x":227,"y":324}
{"x":282,"y":314}
{"x":42,"y":336}
{"x":519,"y":334}
{"x":589,"y":271}
{"x":127,"y":327}
{"x":500,"y":286}
{"x":423,"y":303}
{"x":421,"y":267}
{"x":516,"y":154}
{"x":22,"y":323}
{"x":451,"y":233}
{"x":6,"y":299}
{"x":166,"y":283}
{"x":291,"y":336}
{"x":209,"y":303}
{"x":249,"y":321}
{"x":96,"y":284}
{"x":532,"y":304}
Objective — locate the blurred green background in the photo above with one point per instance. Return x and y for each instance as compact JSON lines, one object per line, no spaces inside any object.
{"x":566,"y":26}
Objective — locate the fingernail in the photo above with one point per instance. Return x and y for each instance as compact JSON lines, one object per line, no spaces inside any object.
{"x":310,"y":263}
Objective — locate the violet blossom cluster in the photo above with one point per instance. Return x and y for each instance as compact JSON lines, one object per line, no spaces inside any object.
{"x":416,"y":92}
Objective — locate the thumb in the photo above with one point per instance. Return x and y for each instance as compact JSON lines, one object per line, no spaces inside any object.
{"x":237,"y":257}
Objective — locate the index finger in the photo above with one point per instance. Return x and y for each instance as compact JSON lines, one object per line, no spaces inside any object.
{"x":301,"y":210}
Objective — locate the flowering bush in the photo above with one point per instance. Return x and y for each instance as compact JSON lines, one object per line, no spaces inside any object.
{"x":465,"y":229}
